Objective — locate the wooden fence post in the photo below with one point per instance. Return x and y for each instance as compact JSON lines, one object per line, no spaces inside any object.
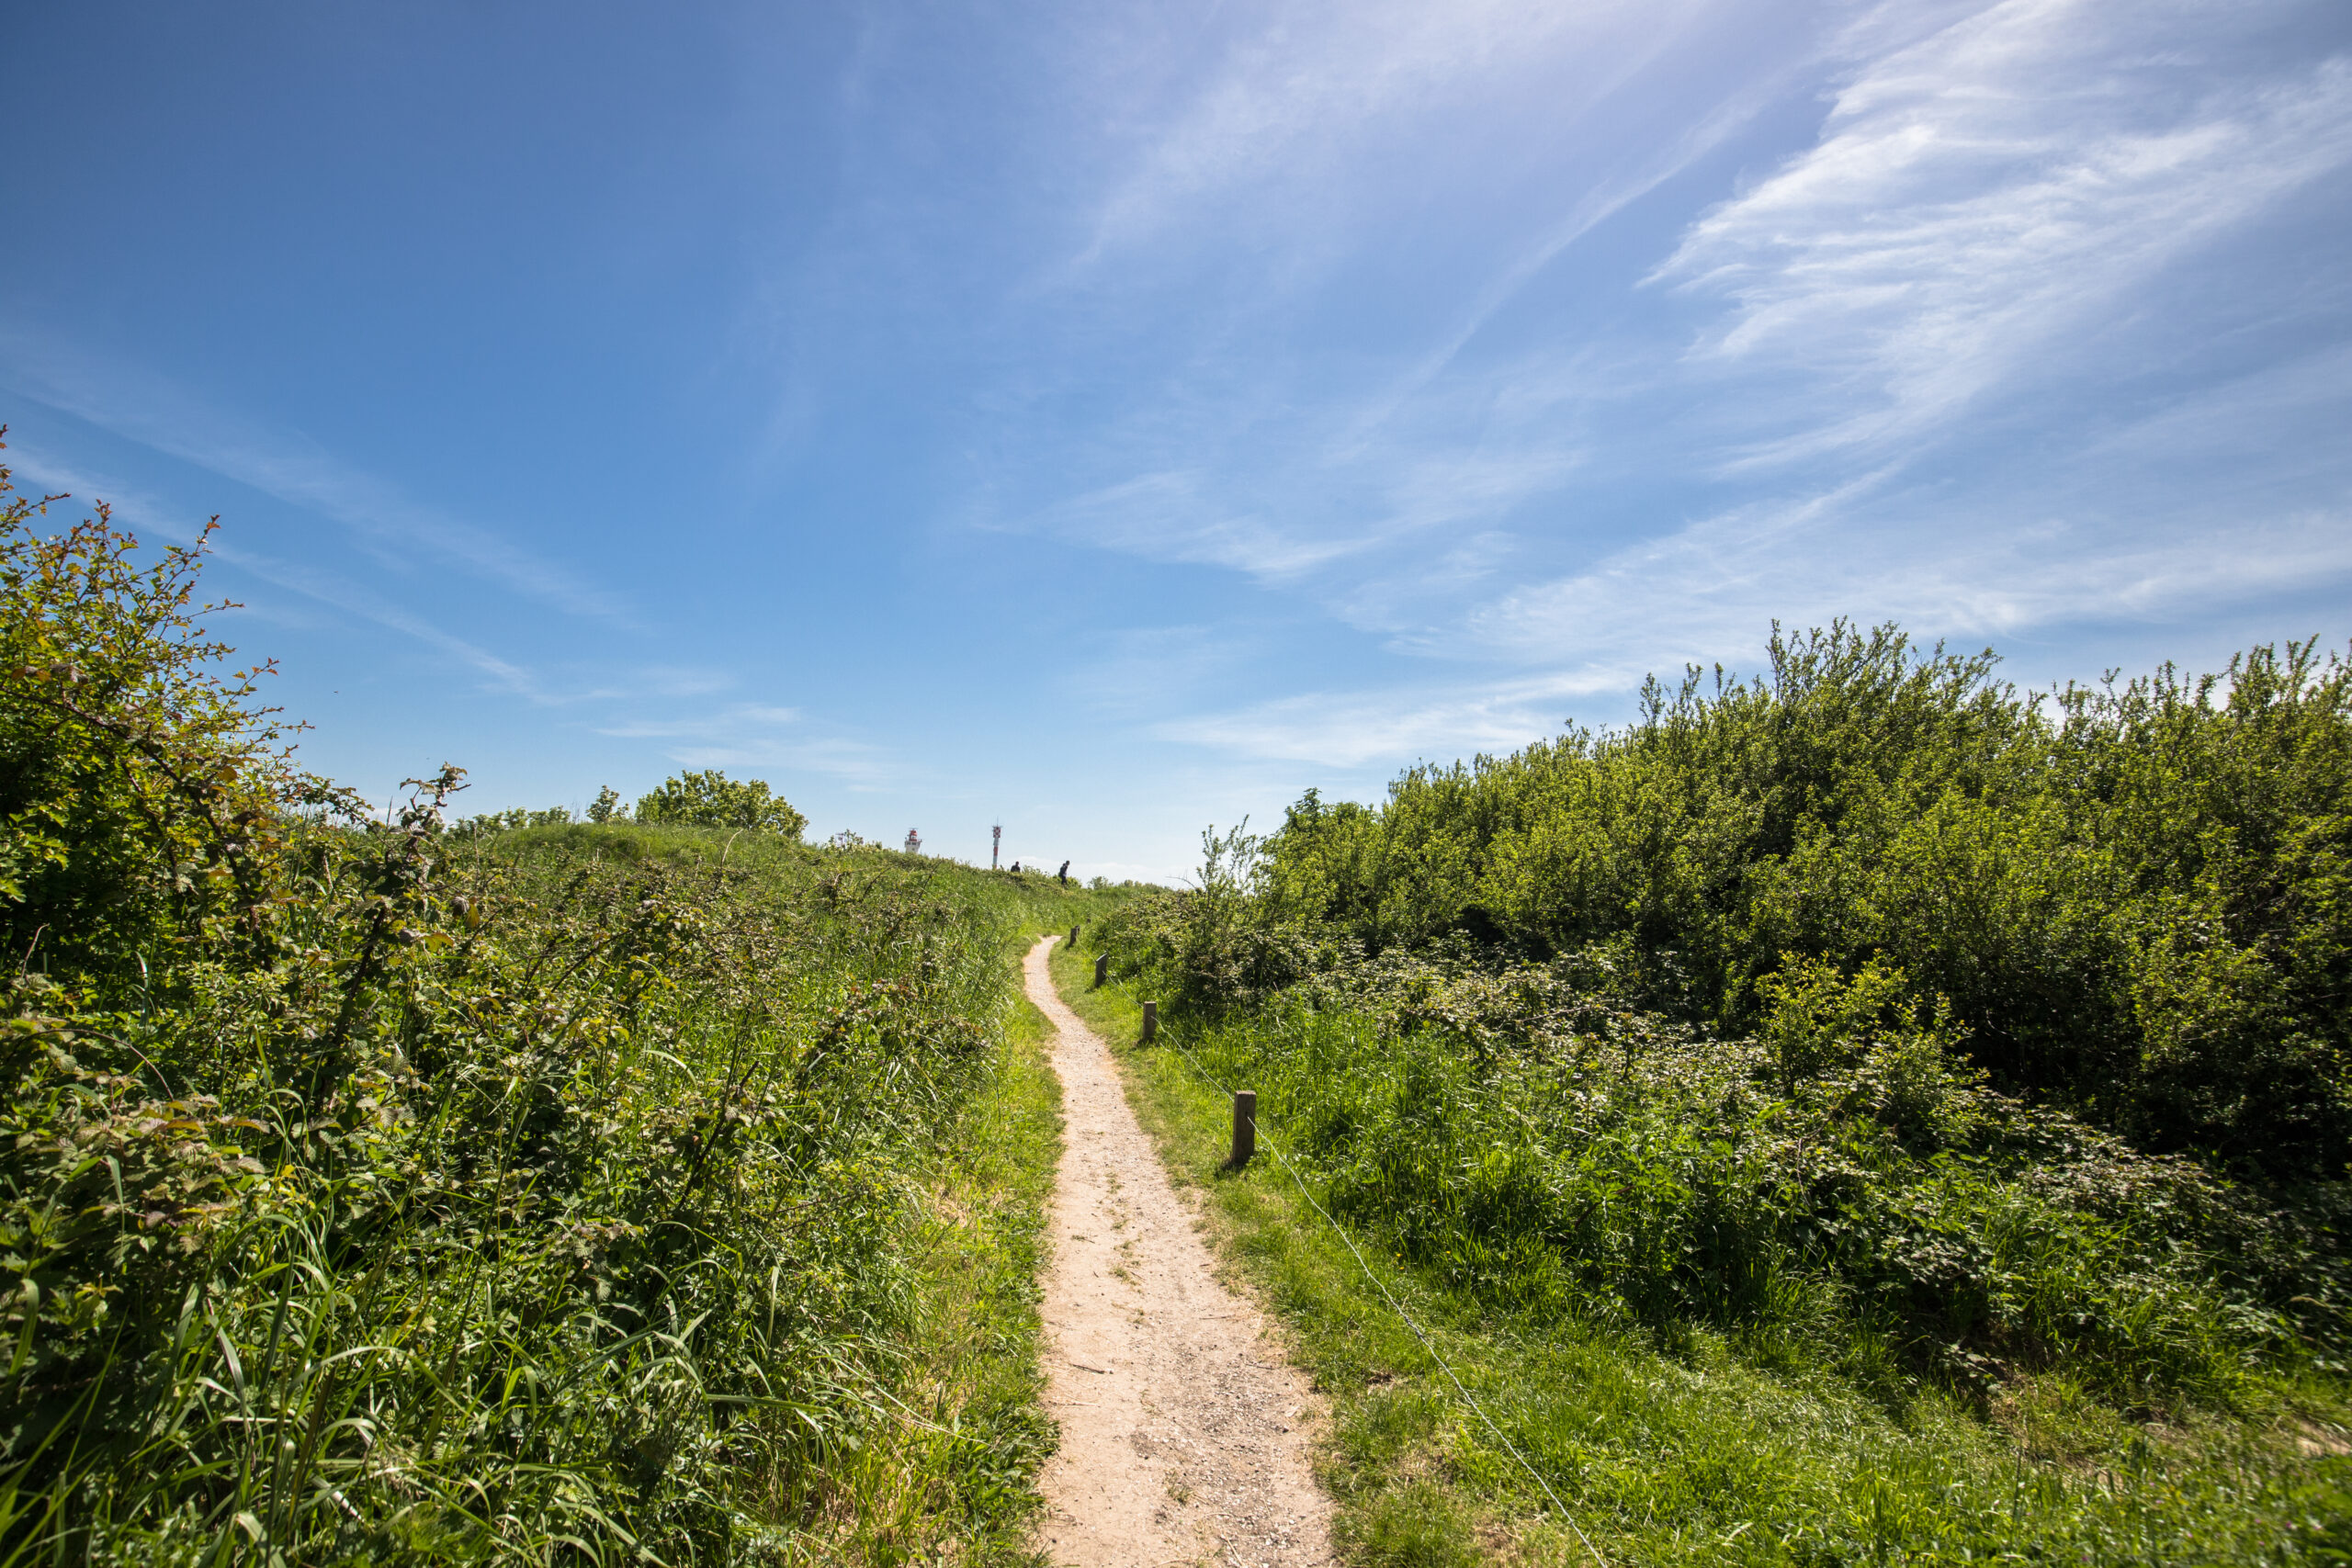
{"x":1073,"y":939}
{"x":1245,"y":1127}
{"x":1151,"y":1021}
{"x":1101,"y":970}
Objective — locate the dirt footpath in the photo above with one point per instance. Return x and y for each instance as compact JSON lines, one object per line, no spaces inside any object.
{"x":1184,"y":1433}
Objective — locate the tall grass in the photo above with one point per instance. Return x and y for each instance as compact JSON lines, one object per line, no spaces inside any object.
{"x":604,"y":1244}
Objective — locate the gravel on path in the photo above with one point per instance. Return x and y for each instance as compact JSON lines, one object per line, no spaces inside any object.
{"x":1186,"y":1433}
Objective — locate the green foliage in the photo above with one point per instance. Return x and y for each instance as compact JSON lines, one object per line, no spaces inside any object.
{"x":2137,"y":897}
{"x":1730,"y":1326}
{"x":1209,"y":946}
{"x":1877,"y":1043}
{"x":713,"y":800}
{"x":140,"y":788}
{"x":1889,"y":1217}
{"x":374,"y":1191}
{"x":578,"y":1187}
{"x":608,"y":807}
{"x":503,"y":821}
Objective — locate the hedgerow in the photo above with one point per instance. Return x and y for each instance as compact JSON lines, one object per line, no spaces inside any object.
{"x":2135,"y":896}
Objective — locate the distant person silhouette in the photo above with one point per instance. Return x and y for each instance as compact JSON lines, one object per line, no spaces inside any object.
{"x":1064,"y":873}
{"x":1016,"y":868}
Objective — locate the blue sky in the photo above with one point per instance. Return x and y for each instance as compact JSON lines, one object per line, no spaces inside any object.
{"x":1111,"y":420}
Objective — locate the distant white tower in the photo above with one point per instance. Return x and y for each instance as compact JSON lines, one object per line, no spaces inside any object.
{"x":996,"y":843}
{"x":914,"y":842}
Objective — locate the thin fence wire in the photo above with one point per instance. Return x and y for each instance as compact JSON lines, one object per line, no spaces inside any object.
{"x":1169,"y":1037}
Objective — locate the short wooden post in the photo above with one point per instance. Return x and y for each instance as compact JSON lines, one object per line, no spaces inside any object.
{"x":1073,"y":939}
{"x":1101,"y":970}
{"x":1245,"y":1127}
{"x":1151,"y":1021}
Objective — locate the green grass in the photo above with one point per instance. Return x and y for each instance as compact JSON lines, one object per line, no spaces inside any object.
{"x":1691,"y":1444}
{"x":674,"y":1197}
{"x":950,"y":1474}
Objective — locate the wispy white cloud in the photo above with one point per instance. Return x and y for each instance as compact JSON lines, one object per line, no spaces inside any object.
{"x":144,"y":407}
{"x":148,"y":515}
{"x":1611,"y":195}
{"x":1175,"y":516}
{"x":1706,"y":592}
{"x":668,"y":681}
{"x":1347,"y":729}
{"x":1302,"y":87}
{"x":727,"y":724}
{"x":1302,"y":155}
{"x":758,"y":735}
{"x":1995,"y":197}
{"x":1310,"y":519}
{"x":1978,"y":196}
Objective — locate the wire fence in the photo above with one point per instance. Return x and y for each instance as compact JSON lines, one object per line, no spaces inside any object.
{"x":1169,"y":1037}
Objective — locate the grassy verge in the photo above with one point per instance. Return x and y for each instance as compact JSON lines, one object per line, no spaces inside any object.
{"x":950,"y":1475}
{"x":1696,"y":1447}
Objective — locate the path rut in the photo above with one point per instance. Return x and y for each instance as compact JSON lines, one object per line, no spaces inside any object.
{"x":1185,"y":1434}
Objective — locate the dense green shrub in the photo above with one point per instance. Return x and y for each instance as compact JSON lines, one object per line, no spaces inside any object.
{"x":711,"y":799}
{"x":509,"y":819}
{"x":1846,"y":1182}
{"x":2137,"y":897}
{"x":1871,"y":1011}
{"x":1844,"y":1190}
{"x":140,"y":787}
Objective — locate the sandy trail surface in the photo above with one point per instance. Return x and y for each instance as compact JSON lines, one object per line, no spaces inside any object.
{"x":1184,"y":1432}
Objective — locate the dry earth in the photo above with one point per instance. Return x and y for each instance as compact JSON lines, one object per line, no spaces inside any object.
{"x":1185,"y":1434}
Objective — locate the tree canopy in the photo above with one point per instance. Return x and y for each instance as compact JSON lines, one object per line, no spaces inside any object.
{"x":698,"y":799}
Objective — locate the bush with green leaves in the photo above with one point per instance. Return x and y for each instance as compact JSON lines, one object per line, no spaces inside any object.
{"x":509,"y":819}
{"x":2137,"y":897}
{"x":711,"y":799}
{"x":1893,"y":1022}
{"x":142,"y":790}
{"x":1842,"y":1191}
